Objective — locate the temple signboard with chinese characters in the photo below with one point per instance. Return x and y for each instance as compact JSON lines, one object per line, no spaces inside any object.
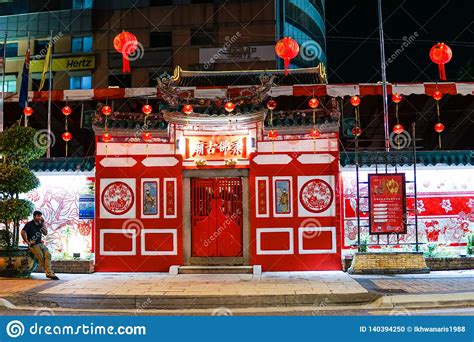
{"x":216,"y":147}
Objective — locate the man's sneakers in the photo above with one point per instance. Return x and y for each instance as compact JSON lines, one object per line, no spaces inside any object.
{"x":52,"y":277}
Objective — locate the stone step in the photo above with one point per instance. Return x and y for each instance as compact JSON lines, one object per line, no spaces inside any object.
{"x":215,"y":270}
{"x":216,"y":261}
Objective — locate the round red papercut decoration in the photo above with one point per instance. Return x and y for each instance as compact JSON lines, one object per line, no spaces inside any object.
{"x":117,"y":198}
{"x":316,"y":196}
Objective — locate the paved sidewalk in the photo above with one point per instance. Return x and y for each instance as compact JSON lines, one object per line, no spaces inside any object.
{"x":191,"y":291}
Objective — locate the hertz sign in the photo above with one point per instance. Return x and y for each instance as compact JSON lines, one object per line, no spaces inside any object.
{"x":66,"y":64}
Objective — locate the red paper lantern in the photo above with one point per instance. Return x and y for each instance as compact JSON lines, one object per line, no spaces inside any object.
{"x":437,"y":95}
{"x":271,"y":104}
{"x":229,"y":106}
{"x":147,"y":137}
{"x":356,"y":131}
{"x":187,"y":109}
{"x":313,"y":103}
{"x":28,"y":111}
{"x":397,"y":98}
{"x":106,"y":137}
{"x":441,"y":54}
{"x":147,"y":109}
{"x":66,"y":110}
{"x":287,"y":49}
{"x":314,"y":133}
{"x":67,"y":136}
{"x":398,"y":129}
{"x":439,"y":127}
{"x":355,"y":100}
{"x":106,"y":110}
{"x":273,"y":134}
{"x":125,"y":43}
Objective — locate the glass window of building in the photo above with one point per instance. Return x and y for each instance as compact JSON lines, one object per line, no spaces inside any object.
{"x":202,"y":37}
{"x":161,"y":39}
{"x":10,"y":83}
{"x":78,"y":4}
{"x":80,"y":82}
{"x":11,"y":50}
{"x":41,"y":47}
{"x":121,"y":81}
{"x":81,"y":44}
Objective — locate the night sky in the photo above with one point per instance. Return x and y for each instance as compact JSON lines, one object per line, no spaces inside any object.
{"x":353,"y":39}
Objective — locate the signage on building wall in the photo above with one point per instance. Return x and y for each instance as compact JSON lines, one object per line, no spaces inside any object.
{"x":387,"y":203}
{"x":216,"y":147}
{"x":245,"y":53}
{"x":66,"y":64}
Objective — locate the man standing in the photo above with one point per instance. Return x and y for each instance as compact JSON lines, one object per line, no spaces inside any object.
{"x":32,"y":234}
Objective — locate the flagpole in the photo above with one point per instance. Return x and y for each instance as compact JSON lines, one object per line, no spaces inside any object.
{"x":384,"y":79}
{"x":48,"y":154}
{"x":28,"y":78}
{"x":3,"y":81}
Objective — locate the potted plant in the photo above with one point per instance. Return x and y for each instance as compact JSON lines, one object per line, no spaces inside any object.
{"x":18,"y":146}
{"x":470,"y":244}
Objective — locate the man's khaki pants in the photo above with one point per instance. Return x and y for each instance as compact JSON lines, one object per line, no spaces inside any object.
{"x":43,"y":256}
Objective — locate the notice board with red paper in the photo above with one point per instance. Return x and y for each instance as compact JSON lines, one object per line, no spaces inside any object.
{"x":387,"y":198}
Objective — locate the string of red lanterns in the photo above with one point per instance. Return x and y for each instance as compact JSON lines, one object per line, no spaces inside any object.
{"x":438,"y":127}
{"x":398,"y":128}
{"x":66,"y":136}
{"x":313,"y":103}
{"x":355,"y":102}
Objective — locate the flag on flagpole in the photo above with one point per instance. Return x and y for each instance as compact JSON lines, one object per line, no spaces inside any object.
{"x":23,"y":98}
{"x":45,"y":66}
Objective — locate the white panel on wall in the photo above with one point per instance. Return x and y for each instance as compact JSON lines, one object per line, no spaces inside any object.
{"x":150,"y":203}
{"x":174,"y":205}
{"x":261,"y":231}
{"x":280,"y":208}
{"x":117,"y":198}
{"x":312,"y":232}
{"x":174,"y":232}
{"x":316,"y":196}
{"x":267,"y":197}
{"x":110,"y":232}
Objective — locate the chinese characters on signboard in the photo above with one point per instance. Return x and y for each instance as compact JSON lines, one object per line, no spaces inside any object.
{"x":387,"y":203}
{"x":216,"y":147}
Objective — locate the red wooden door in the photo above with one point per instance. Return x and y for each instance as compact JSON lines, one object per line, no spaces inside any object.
{"x":216,"y":217}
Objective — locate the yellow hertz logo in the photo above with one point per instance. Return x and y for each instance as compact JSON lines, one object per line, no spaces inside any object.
{"x":392,"y":186}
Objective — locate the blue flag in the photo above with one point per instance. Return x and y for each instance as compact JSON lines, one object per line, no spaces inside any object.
{"x":23,"y":99}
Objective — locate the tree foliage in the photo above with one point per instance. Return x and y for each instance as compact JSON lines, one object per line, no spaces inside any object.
{"x":18,"y":146}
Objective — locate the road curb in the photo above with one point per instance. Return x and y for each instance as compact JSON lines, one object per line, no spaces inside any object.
{"x":462,"y":299}
{"x":186,"y":302}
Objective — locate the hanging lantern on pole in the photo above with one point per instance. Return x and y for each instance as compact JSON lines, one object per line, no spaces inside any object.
{"x":355,"y":100}
{"x":441,"y":54}
{"x":397,"y":98}
{"x":229,"y":106}
{"x":66,"y":110}
{"x":438,"y":127}
{"x":106,"y":110}
{"x":147,"y":109}
{"x":125,"y":43}
{"x":356,"y":131}
{"x":398,"y":129}
{"x":287,"y":48}
{"x":67,"y":136}
{"x":187,"y":109}
{"x":107,"y":137}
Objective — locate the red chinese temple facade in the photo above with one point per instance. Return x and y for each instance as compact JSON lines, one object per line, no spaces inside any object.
{"x":212,"y":187}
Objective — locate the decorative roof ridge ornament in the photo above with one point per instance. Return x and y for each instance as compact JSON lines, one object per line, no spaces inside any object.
{"x":172,"y":94}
